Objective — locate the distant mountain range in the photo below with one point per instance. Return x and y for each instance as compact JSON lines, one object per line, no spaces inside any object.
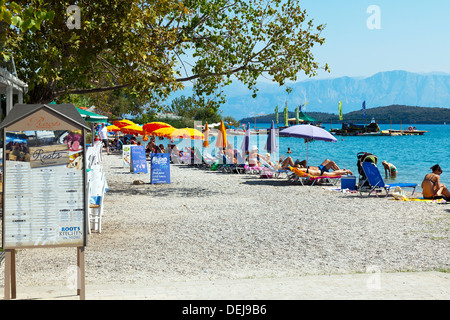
{"x":390,"y":114}
{"x":323,"y":95}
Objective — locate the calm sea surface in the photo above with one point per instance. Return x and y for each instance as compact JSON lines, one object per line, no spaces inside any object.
{"x":412,"y":155}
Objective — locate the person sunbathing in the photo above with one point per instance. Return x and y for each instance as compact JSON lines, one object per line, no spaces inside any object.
{"x":432,"y":187}
{"x":318,"y":173}
{"x":326,"y":165}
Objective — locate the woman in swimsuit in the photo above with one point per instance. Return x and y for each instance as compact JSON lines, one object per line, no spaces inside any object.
{"x":318,"y":173}
{"x":431,"y":186}
{"x":389,"y":167}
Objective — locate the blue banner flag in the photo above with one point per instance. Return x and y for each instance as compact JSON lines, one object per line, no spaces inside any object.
{"x":364,"y":108}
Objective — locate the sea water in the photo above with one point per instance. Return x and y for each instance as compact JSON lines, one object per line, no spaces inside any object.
{"x":412,"y":155}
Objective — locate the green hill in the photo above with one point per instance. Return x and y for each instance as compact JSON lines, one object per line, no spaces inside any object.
{"x":389,"y":114}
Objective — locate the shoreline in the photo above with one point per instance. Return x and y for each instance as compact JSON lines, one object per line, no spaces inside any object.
{"x":210,"y":226}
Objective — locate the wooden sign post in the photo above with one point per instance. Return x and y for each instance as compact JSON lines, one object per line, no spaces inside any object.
{"x":45,"y":196}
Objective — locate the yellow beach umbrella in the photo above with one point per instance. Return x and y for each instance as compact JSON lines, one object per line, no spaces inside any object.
{"x":164,"y":132}
{"x":113,"y":128}
{"x":133,"y":129}
{"x":187,"y":133}
{"x":206,"y":139}
{"x":221,"y":141}
{"x":152,"y":126}
{"x":122,"y":123}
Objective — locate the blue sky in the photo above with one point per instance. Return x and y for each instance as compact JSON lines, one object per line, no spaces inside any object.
{"x":414,"y":36}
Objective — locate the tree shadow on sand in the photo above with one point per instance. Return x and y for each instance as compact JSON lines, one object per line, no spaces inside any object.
{"x":160,"y":190}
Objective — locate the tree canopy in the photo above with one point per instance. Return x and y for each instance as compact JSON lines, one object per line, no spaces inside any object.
{"x":149,"y":49}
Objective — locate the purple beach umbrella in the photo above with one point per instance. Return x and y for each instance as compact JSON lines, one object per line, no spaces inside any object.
{"x":271,"y":144}
{"x":309,"y":133}
{"x":246,"y":142}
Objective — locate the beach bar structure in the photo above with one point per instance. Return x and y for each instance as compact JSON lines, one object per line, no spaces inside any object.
{"x":45,"y":189}
{"x":10,"y":85}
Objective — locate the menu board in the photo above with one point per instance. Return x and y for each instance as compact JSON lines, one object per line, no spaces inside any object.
{"x":44,"y":196}
{"x":160,"y":168}
{"x":138,"y":160}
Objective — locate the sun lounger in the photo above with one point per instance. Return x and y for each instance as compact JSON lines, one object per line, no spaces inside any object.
{"x":374,"y":181}
{"x":304,"y":178}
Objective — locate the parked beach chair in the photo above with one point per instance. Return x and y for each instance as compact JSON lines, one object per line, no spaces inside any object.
{"x":269,"y":171}
{"x":306,"y":178}
{"x":97,"y":187}
{"x":96,"y":213}
{"x":238,"y":167}
{"x":374,"y":181}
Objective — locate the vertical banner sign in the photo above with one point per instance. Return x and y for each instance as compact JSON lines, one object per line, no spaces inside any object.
{"x":44,"y":201}
{"x":138,"y":160}
{"x":340,"y":110}
{"x":126,"y":156}
{"x":160,"y":168}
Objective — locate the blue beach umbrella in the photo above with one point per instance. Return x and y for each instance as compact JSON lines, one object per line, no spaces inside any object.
{"x":271,"y":144}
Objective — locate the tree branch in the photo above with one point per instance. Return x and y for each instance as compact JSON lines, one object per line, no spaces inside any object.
{"x":92,"y":90}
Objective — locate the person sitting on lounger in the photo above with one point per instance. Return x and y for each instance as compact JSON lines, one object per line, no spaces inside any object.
{"x":325,"y":166}
{"x":318,"y":173}
{"x":431,"y":186}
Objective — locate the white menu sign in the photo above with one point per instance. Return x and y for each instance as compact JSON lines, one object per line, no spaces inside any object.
{"x":43,"y":205}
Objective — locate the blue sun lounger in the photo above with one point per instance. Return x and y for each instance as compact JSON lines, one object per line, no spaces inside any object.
{"x":374,"y":181}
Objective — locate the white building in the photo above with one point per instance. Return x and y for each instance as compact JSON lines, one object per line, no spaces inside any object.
{"x":10,"y":85}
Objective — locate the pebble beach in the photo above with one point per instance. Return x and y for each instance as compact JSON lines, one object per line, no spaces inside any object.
{"x":212,"y":226}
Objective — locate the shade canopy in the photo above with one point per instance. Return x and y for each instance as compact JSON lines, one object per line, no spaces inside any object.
{"x":308,"y":132}
{"x":221,"y":141}
{"x":122,"y":123}
{"x":206,"y":136}
{"x":164,"y":132}
{"x":187,"y":133}
{"x":304,"y":117}
{"x":271,"y":143}
{"x":245,"y":147}
{"x":113,"y":128}
{"x":152,"y":126}
{"x":92,"y":117}
{"x":132,"y":129}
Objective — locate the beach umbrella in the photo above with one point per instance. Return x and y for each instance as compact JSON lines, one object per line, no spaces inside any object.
{"x":113,"y":128}
{"x":206,"y":140}
{"x":152,"y":126}
{"x":309,"y":133}
{"x":164,"y":132}
{"x":132,"y":129}
{"x":271,"y":143}
{"x":187,"y":133}
{"x":245,"y":147}
{"x":221,"y":141}
{"x":122,"y":123}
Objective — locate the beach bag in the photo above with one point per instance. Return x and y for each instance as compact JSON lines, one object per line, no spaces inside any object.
{"x":214,"y":166}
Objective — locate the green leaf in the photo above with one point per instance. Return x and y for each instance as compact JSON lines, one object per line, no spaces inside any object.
{"x":16,"y":20}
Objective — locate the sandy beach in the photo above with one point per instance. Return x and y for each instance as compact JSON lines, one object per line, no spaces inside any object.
{"x":210,"y":226}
